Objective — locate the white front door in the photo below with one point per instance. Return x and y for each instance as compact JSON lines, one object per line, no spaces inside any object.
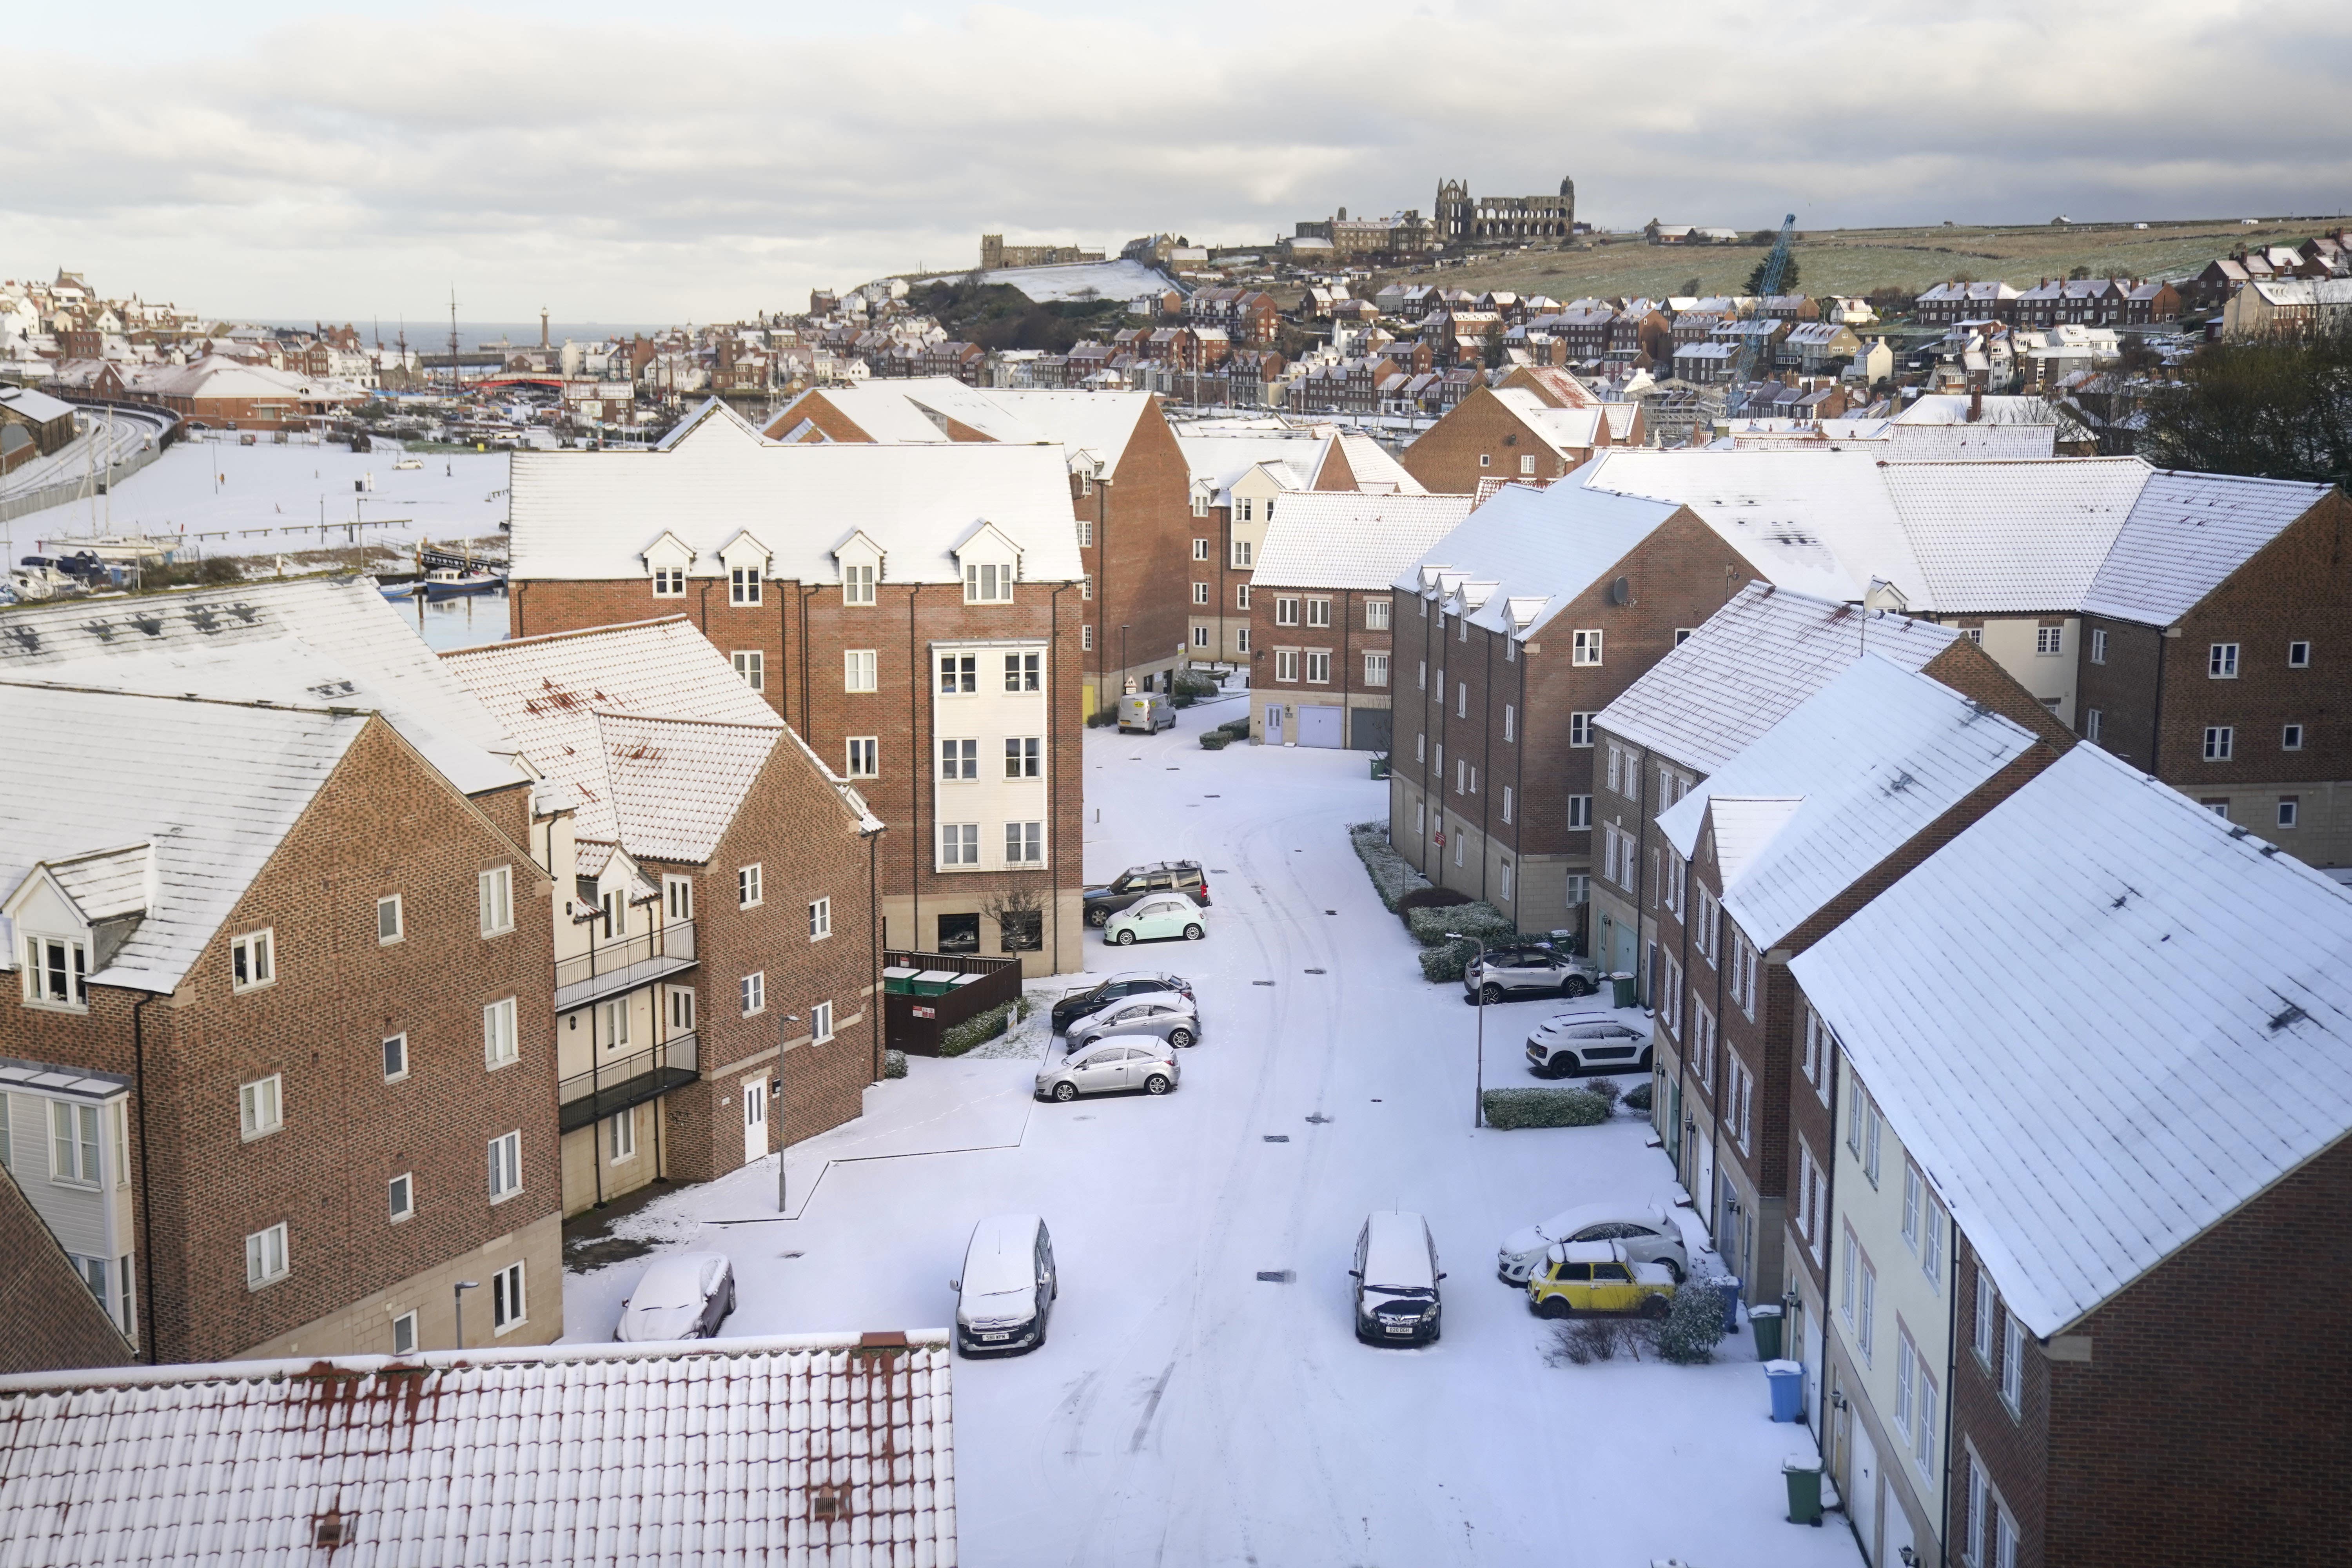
{"x":755,"y":1118}
{"x":1861,"y":1505}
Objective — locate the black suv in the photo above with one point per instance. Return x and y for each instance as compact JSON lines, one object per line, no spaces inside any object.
{"x":1178,"y":876}
{"x":1076,"y":1005}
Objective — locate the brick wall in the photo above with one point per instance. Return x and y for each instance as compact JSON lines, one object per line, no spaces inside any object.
{"x":48,"y":1318}
{"x":1139,"y":559}
{"x":1346,"y":640}
{"x":1479,"y":438}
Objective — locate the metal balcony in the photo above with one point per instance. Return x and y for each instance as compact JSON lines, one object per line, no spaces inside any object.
{"x":623,"y":963}
{"x":611,"y":1087}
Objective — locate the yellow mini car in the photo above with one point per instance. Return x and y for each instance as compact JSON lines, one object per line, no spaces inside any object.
{"x":1579,"y":1277}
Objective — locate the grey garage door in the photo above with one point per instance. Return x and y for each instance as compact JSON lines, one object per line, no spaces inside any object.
{"x":1318,"y":727}
{"x":1367,"y":729}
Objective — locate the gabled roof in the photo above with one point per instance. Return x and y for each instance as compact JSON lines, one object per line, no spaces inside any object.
{"x":2101,"y":1020}
{"x":1755,"y":661}
{"x":209,"y":788}
{"x":2186,"y":534}
{"x":1870,"y":760}
{"x":815,"y":1449}
{"x":583,"y":516}
{"x":1537,"y":547}
{"x":1346,"y":540}
{"x":900,"y":410}
{"x":2013,"y":536}
{"x":313,"y":642}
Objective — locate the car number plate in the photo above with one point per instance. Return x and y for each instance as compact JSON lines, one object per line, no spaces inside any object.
{"x":998,"y":1334}
{"x":1400,"y":1328}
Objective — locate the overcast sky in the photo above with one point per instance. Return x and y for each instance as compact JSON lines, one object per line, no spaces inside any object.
{"x":644,"y":161}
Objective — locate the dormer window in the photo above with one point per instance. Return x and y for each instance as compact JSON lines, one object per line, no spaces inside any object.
{"x":987,"y":583}
{"x":857,"y":584}
{"x":55,"y":969}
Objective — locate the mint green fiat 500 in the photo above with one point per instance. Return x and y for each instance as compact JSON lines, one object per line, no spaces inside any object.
{"x":1158,"y":917}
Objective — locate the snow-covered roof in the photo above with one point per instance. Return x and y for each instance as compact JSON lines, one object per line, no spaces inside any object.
{"x":1536,"y":550}
{"x":317,"y":642}
{"x":647,"y":725}
{"x":1965,"y":408}
{"x":33,"y":404}
{"x":208,"y":789}
{"x":1996,"y":537}
{"x":585,"y":516}
{"x":2102,"y":1019}
{"x":1340,"y":538}
{"x":1846,"y":778}
{"x":822,"y":1449}
{"x":2185,"y":534}
{"x":1755,"y":659}
{"x":914,"y":410}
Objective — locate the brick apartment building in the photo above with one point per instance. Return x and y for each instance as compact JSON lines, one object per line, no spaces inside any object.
{"x":723,"y":880}
{"x":2035,"y":1345}
{"x":1536,"y":425}
{"x":850,"y":584}
{"x":1240,"y":469}
{"x":1129,"y":496}
{"x":273,"y":1073}
{"x":1510,"y":634}
{"x":1322,"y":659}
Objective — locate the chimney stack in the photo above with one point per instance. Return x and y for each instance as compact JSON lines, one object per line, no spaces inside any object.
{"x":1976,"y":401}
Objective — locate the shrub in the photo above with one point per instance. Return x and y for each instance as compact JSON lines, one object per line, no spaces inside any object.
{"x":1196,"y":686}
{"x":1693,"y":1325}
{"x":1606,"y":1087}
{"x":1638,"y":1097}
{"x":894,"y":1063}
{"x":1214,"y":740}
{"x":1508,"y":1110}
{"x":961,"y":1038}
{"x":1238,"y":727}
{"x":1429,"y":927}
{"x":1446,"y":961}
{"x":1100,"y":717}
{"x":1589,"y":1339}
{"x":1431,"y":899}
{"x":1393,"y":876}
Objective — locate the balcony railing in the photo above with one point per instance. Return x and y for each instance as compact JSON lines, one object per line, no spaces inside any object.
{"x":623,"y":963}
{"x":619,"y":1082}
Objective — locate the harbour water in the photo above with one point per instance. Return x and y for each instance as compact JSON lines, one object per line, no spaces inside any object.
{"x":466,"y":622}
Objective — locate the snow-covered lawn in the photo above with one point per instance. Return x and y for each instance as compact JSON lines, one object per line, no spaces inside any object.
{"x":1184,"y":1411}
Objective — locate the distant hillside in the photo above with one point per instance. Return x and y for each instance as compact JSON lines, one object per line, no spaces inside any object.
{"x":998,"y":316}
{"x":1857,"y":260}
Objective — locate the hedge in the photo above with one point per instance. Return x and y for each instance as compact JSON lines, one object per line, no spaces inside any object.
{"x":1447,"y":959}
{"x":1638,"y":1097}
{"x":1238,"y":727}
{"x":1510,"y":1109}
{"x":1431,"y":899}
{"x":1429,"y":927}
{"x":1393,"y":876}
{"x":1214,"y":740}
{"x":973,"y":1031}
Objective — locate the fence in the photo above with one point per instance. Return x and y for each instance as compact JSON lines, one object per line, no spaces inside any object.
{"x":142,"y":426}
{"x":608,"y":1088}
{"x":924,"y":995}
{"x":608,"y":968}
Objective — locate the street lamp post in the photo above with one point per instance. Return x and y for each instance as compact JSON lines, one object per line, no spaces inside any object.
{"x":1478,"y":1107}
{"x":457,"y":1295}
{"x":776,"y":1095}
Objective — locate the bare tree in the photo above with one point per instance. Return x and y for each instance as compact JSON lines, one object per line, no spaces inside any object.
{"x":1019,"y":916}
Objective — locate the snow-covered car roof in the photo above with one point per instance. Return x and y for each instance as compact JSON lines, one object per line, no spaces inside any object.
{"x":681,"y":1279}
{"x":1001,"y":1257}
{"x":1568,"y":1222}
{"x":1396,"y":1250}
{"x":1586,"y":1252}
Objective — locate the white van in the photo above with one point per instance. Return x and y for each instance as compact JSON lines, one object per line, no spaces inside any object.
{"x":1006,"y":1291}
{"x":1147,"y":711}
{"x":1396,"y":1278}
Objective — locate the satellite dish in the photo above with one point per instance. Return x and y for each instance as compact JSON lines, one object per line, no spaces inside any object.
{"x":1621,"y":592}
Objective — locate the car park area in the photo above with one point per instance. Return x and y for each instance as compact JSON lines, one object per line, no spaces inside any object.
{"x":1203,"y":1396}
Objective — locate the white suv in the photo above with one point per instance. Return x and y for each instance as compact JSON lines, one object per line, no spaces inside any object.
{"x":1575,"y":1044}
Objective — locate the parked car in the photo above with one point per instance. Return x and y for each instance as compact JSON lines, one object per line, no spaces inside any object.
{"x":1574,"y":1044}
{"x":1005,"y":1294}
{"x":685,"y":1295}
{"x":1646,"y":1232}
{"x":1160,"y":918}
{"x":1530,"y":969}
{"x":1076,"y":1005}
{"x":1164,"y":1017}
{"x":1396,"y":1277}
{"x":1140,"y":882}
{"x":1597,"y":1277}
{"x":1147,"y":711}
{"x":1110,"y":1068}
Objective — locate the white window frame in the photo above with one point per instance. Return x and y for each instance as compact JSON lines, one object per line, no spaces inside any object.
{"x":395,"y":1047}
{"x":268,"y":1258}
{"x":69,"y":974}
{"x":1507,"y":801}
{"x":494,"y":900}
{"x":751,"y":993}
{"x":397,"y":929}
{"x":1024,"y":842}
{"x":1376,"y":669}
{"x":988,"y":581}
{"x":1285,"y":664}
{"x":2098,"y":644}
{"x":2298,"y":654}
{"x":1318,"y":667}
{"x":1285,"y":609}
{"x":958,"y":759}
{"x":1988,"y":1304}
{"x":1201,"y":593}
{"x":400,"y":1197}
{"x":820,"y":1023}
{"x":252,"y":960}
{"x":509,"y":1301}
{"x":750,"y":667}
{"x":2222,"y":661}
{"x":260,"y":1108}
{"x":504,"y":1163}
{"x":862,"y":756}
{"x":1510,"y":723}
{"x":743,"y":585}
{"x":1580,"y":729}
{"x":1578,"y":890}
{"x":859,"y":669}
{"x":501,"y":1044}
{"x":1319,"y":611}
{"x":1244,"y":552}
{"x":75,"y":1151}
{"x":1579,"y":813}
{"x":403,"y":1334}
{"x":820,"y":918}
{"x":858,"y":584}
{"x":2050,"y":642}
{"x":1024,"y":756}
{"x":2290,"y":737}
{"x":669,"y":581}
{"x":621,"y":1136}
{"x":2012,"y":1363}
{"x":1584,"y":647}
{"x":959,"y":844}
{"x":1376,"y":614}
{"x":1201,"y":546}
{"x":1241,"y":596}
{"x":748,"y":891}
{"x":2095,"y":724}
{"x":2220,"y":742}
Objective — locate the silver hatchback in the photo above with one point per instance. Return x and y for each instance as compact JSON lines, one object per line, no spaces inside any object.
{"x":1165,"y":1016}
{"x":1108,"y":1068}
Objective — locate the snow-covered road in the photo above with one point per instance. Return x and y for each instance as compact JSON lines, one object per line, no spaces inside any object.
{"x":1185,"y":1411}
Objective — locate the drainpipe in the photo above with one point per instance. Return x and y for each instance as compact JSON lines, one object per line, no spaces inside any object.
{"x":1951,"y":1375}
{"x":874,"y":948}
{"x":918,"y":769}
{"x":148,"y":1327}
{"x":2156,"y":729}
{"x":1346,"y":681}
{"x":1052,"y":739}
{"x":1486,"y":762}
{"x":1640,"y":866}
{"x":1833,"y":1056}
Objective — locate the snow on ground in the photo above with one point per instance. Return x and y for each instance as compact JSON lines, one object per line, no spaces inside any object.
{"x":1184,"y":1411}
{"x":269,"y":498}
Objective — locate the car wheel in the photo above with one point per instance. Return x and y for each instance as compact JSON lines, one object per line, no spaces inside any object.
{"x":1066,"y":1092}
{"x":1436,"y":1329}
{"x":1098,"y":918}
{"x":1655,"y":1306}
{"x":1552,"y":1307}
{"x":1490,"y":993}
{"x":1673,"y":1269}
{"x":1126,"y":937}
{"x":1193,"y":933}
{"x":1180,"y":1039}
{"x":1157,"y":1084}
{"x":1645,"y":1063}
{"x":1576,"y":985}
